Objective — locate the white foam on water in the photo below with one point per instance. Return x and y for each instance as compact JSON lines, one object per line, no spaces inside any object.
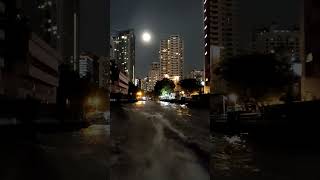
{"x":235,"y":140}
{"x":165,"y":122}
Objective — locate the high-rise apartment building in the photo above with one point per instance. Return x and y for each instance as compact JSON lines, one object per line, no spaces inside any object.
{"x":164,"y":58}
{"x":281,"y":41}
{"x":154,"y":75}
{"x":277,"y":40}
{"x":124,"y":52}
{"x":172,"y":57}
{"x":144,"y":84}
{"x":196,"y":74}
{"x":220,"y":31}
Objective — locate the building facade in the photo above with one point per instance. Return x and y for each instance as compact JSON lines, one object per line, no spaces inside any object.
{"x":37,"y":75}
{"x":310,"y":50}
{"x":94,"y":35}
{"x":172,"y":57}
{"x":121,"y":85}
{"x":124,"y":52}
{"x":57,"y":22}
{"x":154,"y":75}
{"x":220,"y":31}
{"x":42,"y":71}
{"x":145,"y":84}
{"x":30,"y":62}
{"x":278,"y":40}
{"x":43,"y":19}
{"x":197,"y":74}
{"x":86,"y":66}
{"x":164,"y":58}
{"x":119,"y":80}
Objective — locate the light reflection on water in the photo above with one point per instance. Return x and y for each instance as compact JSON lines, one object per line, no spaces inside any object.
{"x":164,"y":104}
{"x":167,"y":157}
{"x":233,"y":156}
{"x":94,"y":134}
{"x":181,"y":110}
{"x":140,"y":103}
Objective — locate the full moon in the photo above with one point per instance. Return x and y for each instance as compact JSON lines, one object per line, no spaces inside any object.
{"x":146,"y":37}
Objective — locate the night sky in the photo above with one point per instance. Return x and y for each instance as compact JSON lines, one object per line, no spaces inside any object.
{"x":93,"y":24}
{"x":184,"y":17}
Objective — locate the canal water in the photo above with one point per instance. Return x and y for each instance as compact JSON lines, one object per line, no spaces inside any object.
{"x":255,"y":156}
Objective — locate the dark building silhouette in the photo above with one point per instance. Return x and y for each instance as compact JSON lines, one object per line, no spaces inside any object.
{"x":56,"y":22}
{"x":30,"y":62}
{"x":277,"y":40}
{"x":124,"y":52}
{"x":14,"y":35}
{"x":42,"y":16}
{"x":310,"y":27}
{"x":221,"y":31}
{"x":89,"y":67}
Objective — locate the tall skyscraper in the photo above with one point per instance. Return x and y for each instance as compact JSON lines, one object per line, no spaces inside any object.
{"x":164,"y":58}
{"x":172,"y":57}
{"x":221,"y":31}
{"x":310,"y":50}
{"x":124,"y":52}
{"x":145,"y":84}
{"x":154,"y":75}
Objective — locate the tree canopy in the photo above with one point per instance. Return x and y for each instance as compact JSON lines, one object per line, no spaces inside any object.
{"x":190,"y":85}
{"x":256,"y":75}
{"x":164,"y":86}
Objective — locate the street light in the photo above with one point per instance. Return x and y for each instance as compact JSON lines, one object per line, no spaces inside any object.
{"x":94,"y":101}
{"x":139,"y":93}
